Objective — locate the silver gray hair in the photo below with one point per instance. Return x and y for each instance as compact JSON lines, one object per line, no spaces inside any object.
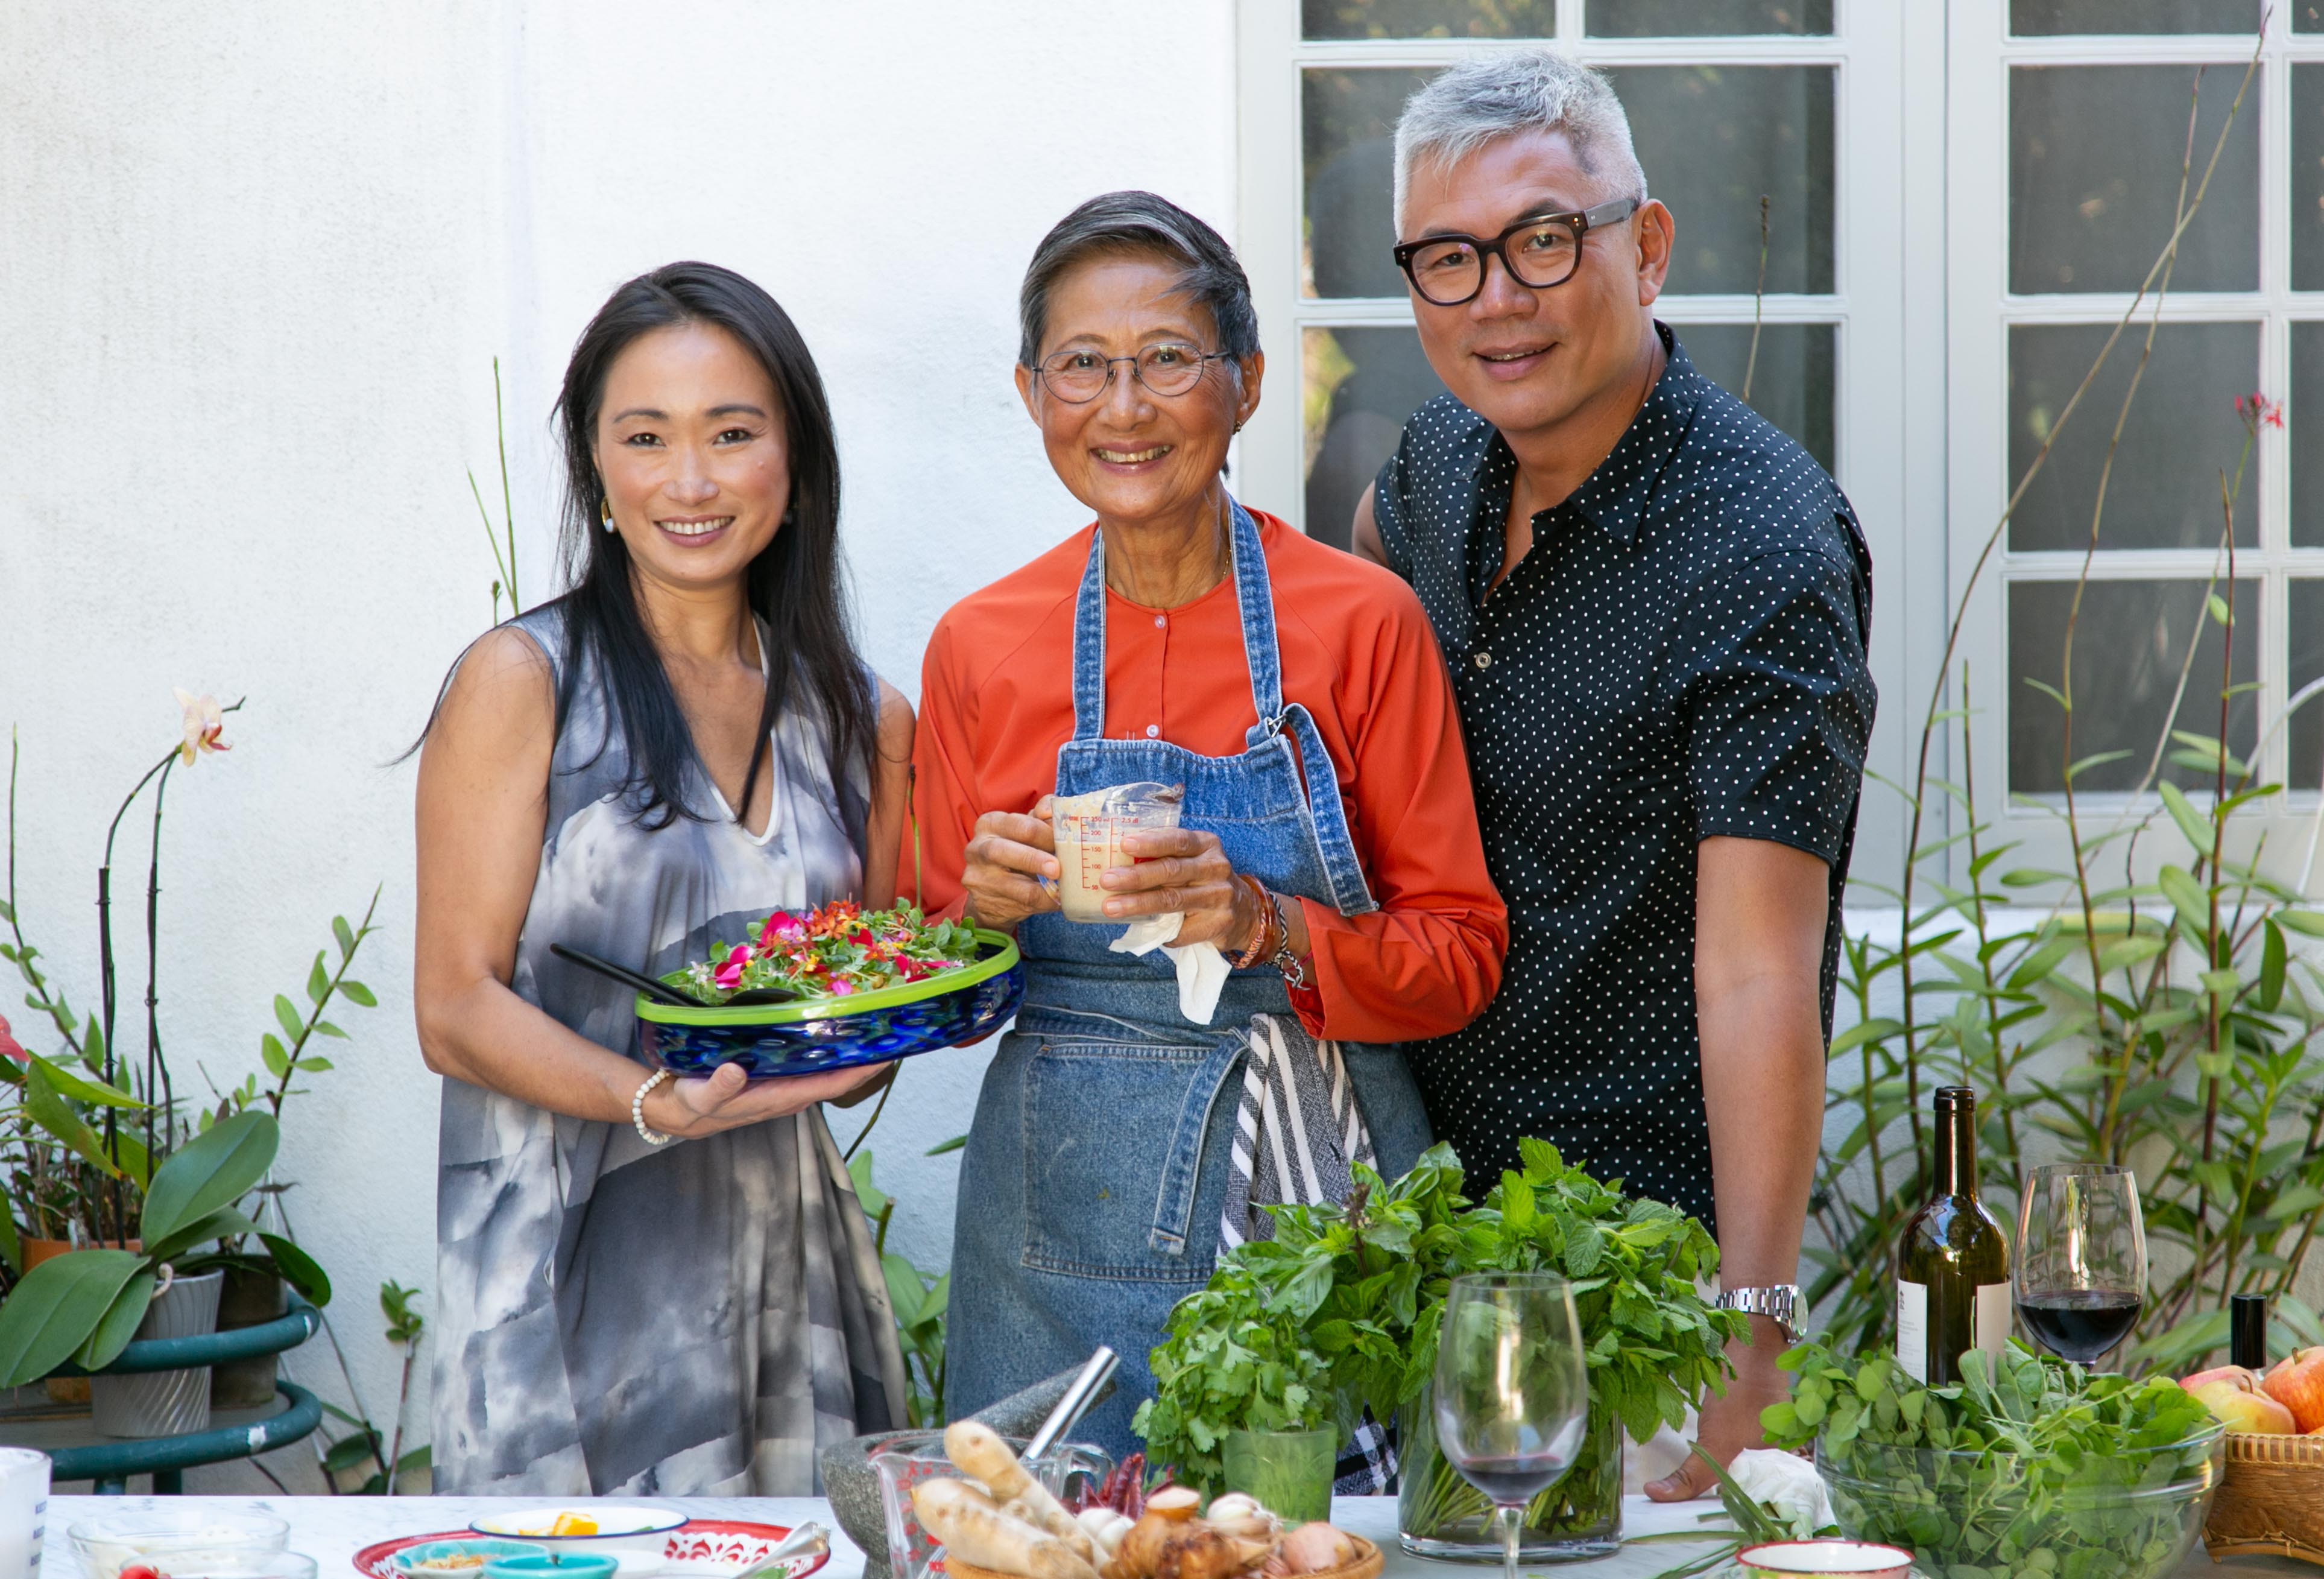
{"x":1505,"y":92}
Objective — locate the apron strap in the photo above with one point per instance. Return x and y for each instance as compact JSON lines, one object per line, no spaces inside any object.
{"x":1089,"y":645}
{"x":1174,"y":1201}
{"x":1297,"y":1134}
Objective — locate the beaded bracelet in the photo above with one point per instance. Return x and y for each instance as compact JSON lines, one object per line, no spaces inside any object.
{"x":637,"y":1108}
{"x":1257,"y":947}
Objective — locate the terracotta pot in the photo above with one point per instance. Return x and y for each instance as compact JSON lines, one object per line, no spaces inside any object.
{"x":67,"y":1389}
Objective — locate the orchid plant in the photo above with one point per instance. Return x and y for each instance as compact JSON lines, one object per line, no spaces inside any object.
{"x":102,"y":1153}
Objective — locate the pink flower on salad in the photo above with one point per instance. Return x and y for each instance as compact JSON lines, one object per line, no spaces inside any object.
{"x":729,"y":975}
{"x":842,"y":988}
{"x":779,"y":929}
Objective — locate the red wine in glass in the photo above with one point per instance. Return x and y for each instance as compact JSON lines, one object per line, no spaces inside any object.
{"x":2080,"y":1324}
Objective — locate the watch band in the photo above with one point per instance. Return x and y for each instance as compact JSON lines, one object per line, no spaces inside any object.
{"x":1779,"y":1302}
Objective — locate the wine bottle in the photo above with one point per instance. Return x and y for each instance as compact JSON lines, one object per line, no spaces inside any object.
{"x":2247,"y":1331}
{"x":1953,"y":1265}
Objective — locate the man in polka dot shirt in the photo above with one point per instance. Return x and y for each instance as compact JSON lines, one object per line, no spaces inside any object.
{"x":1654,"y":605}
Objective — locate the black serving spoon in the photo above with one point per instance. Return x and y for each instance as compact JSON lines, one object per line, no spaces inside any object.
{"x":662,"y":991}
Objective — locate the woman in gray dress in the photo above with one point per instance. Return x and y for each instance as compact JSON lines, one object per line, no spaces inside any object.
{"x":647,"y":1285}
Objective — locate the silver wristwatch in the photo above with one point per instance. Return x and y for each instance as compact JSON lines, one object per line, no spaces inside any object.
{"x":1779,"y":1303}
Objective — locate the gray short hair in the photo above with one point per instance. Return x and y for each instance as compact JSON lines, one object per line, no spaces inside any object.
{"x":1507,"y":91}
{"x":1140,"y":222}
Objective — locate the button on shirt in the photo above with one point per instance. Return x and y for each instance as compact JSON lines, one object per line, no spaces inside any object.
{"x":1680,"y":655}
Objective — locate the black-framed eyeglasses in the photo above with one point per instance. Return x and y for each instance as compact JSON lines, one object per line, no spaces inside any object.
{"x":1079,"y":377}
{"x":1540,"y":252}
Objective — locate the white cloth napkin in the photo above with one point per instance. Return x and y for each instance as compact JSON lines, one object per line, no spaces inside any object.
{"x":1202,"y":968}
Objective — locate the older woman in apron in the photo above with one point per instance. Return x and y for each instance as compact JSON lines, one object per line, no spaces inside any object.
{"x":1328,"y":845}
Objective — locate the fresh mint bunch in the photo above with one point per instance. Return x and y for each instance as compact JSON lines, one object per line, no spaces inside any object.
{"x":2030,"y":1466}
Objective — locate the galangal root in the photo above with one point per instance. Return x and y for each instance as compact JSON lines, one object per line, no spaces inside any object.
{"x":1009,"y":1522}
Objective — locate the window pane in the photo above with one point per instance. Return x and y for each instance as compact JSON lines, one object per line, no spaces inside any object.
{"x":1664,"y":19}
{"x":2095,"y":153}
{"x":1346,"y":121}
{"x":1791,"y":383}
{"x":1427,"y":19}
{"x":2164,"y":492}
{"x":2304,"y":617}
{"x":2130,"y":643}
{"x":2054,"y":16}
{"x":1712,"y":139}
{"x":1359,"y":385}
{"x":2307,"y":176}
{"x":2303,"y":412}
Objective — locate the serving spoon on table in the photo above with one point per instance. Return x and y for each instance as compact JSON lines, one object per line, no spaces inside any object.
{"x":662,"y":991}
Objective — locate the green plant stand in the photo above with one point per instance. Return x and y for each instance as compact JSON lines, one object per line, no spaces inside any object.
{"x":167,"y":1458}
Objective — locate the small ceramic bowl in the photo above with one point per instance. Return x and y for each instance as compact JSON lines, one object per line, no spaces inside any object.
{"x":1857,"y":1559}
{"x":439,"y":1559}
{"x":635,"y":1534}
{"x":174,"y":1539}
{"x":553,"y":1565}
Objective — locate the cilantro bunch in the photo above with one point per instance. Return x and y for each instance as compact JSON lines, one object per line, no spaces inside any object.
{"x":834,"y":950}
{"x":2032,"y":1466}
{"x":1338,"y":1314}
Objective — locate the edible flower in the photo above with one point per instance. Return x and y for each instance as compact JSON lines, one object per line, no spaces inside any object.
{"x":729,"y":975}
{"x":203,"y":722}
{"x":779,"y":929}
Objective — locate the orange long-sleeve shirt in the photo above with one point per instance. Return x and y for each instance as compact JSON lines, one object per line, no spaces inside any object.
{"x":996,"y":702}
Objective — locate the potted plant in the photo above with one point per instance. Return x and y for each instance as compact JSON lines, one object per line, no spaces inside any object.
{"x":1334,"y":1321}
{"x":145,"y":1211}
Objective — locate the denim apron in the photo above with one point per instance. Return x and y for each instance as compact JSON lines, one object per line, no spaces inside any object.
{"x":1090,"y":1191}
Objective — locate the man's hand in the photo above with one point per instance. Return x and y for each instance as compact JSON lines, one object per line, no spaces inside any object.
{"x":1727,"y":1426}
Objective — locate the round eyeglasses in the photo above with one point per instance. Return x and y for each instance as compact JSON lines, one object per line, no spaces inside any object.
{"x":1540,"y":252}
{"x":1079,"y":377}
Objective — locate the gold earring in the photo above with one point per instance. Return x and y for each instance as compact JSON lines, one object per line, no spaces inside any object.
{"x":605,"y":512}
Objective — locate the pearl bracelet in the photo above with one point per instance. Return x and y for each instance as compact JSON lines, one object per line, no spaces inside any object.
{"x":637,"y":1108}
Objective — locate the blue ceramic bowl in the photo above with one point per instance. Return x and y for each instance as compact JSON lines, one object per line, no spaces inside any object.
{"x":817,"y":1035}
{"x":426,"y":1560}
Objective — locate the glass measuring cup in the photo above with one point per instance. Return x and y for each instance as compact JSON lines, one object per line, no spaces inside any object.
{"x":1089,"y":830}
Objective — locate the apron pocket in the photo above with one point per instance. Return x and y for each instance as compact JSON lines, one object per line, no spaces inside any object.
{"x":1113,"y":1155}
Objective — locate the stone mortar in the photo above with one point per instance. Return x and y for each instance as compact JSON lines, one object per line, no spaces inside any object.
{"x":852,"y":1484}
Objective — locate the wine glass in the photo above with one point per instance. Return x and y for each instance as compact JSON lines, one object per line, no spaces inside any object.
{"x":1512,"y":1391}
{"x":2081,"y":1258}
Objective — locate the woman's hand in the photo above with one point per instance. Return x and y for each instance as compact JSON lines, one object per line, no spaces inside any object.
{"x":1187,"y":871}
{"x":691,"y":1107}
{"x":1007,"y":855}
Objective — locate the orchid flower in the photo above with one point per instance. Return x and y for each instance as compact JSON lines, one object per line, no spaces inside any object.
{"x":9,"y":1048}
{"x":203,"y":724}
{"x":729,"y":975}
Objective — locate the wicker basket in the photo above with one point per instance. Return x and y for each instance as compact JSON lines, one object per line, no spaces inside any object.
{"x":2272,"y":1499}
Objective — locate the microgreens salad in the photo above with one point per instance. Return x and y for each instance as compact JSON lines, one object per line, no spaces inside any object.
{"x":834,"y":950}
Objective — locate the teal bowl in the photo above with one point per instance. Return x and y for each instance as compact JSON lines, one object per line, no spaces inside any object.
{"x":540,"y":1564}
{"x":427,"y":1560}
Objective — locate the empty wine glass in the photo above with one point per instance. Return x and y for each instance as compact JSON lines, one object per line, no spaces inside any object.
{"x":2081,"y":1258}
{"x":1512,"y":1391}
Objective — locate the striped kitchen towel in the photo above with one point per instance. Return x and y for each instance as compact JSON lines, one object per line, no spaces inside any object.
{"x":1297,"y":1132}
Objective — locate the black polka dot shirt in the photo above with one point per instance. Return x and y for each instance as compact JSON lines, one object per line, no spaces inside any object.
{"x":1680,"y":655}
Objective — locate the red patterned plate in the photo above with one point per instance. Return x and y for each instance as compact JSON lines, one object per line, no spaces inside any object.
{"x":700,"y":1548}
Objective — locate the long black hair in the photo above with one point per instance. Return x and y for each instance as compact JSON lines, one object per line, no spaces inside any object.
{"x":794,"y":584}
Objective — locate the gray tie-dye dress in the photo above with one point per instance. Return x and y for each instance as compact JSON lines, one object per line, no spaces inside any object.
{"x":693,"y":1319}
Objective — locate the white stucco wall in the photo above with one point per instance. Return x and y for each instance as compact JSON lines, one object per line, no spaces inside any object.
{"x":258,"y":257}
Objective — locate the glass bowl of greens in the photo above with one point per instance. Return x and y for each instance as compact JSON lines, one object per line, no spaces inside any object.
{"x":2123,"y":1513}
{"x":2029,"y":1466}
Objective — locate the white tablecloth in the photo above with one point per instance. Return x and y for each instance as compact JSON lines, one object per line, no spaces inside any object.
{"x":332,"y":1529}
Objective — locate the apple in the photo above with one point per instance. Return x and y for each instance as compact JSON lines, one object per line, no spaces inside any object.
{"x":2297,"y":1384}
{"x":2248,"y":1380}
{"x":2253,"y":1413}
